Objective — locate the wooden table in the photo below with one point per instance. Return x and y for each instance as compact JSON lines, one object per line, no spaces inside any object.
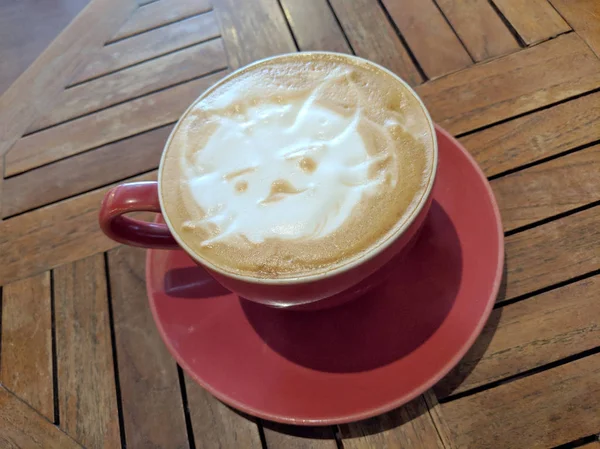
{"x":517,"y":81}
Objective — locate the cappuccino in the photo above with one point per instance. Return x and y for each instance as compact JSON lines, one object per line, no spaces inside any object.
{"x":296,"y":165}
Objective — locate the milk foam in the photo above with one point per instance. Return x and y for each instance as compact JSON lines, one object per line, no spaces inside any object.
{"x":292,"y":171}
{"x":296,"y":165}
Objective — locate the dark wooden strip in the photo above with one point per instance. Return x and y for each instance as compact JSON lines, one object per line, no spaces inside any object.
{"x":480,"y":29}
{"x":84,"y":172}
{"x":217,"y":426}
{"x":279,"y":436}
{"x":149,"y":45}
{"x":409,"y":426}
{"x":38,"y":89}
{"x":151,"y":400}
{"x":135,"y":81}
{"x":158,"y":14}
{"x":315,"y":26}
{"x":61,"y":233}
{"x":429,"y":36}
{"x":528,"y":334}
{"x":536,"y":136}
{"x":438,"y":419}
{"x":552,"y":253}
{"x":540,"y":411}
{"x":253,"y":29}
{"x":373,"y":37}
{"x":106,"y":126}
{"x":520,"y":82}
{"x":549,"y":189}
{"x":86,"y":383}
{"x":26,"y":364}
{"x":23,"y":427}
{"x":584,"y":17}
{"x":534,"y":20}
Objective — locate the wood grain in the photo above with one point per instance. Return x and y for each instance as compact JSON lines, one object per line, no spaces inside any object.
{"x":528,"y":334}
{"x":480,"y":29}
{"x":534,"y":20}
{"x":86,"y":383}
{"x":373,"y":37}
{"x":38,"y":88}
{"x":21,"y":427}
{"x":157,"y":14}
{"x":26,"y":29}
{"x":438,"y":419}
{"x":151,"y":76}
{"x":26,"y":356}
{"x":151,"y":400}
{"x":217,"y":426}
{"x":84,"y":172}
{"x":549,"y":189}
{"x":536,"y":136}
{"x":109,"y":125}
{"x":408,"y":427}
{"x":253,"y":29}
{"x":552,"y":253}
{"x":540,"y":411}
{"x":279,"y":436}
{"x":315,"y":26}
{"x":513,"y":84}
{"x":584,"y":18}
{"x":149,"y":45}
{"x":61,"y":233}
{"x":429,"y":36}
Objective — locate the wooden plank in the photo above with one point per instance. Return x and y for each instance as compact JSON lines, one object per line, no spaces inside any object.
{"x":108,"y":125}
{"x":54,"y":235}
{"x":549,"y":189}
{"x":373,"y":37}
{"x":584,"y":17}
{"x":552,"y":253}
{"x":536,"y":136}
{"x":158,"y":14}
{"x":23,"y":428}
{"x":409,"y":427}
{"x":86,"y":383}
{"x":253,"y":29}
{"x":429,"y":36}
{"x":279,"y":436}
{"x":217,"y":426}
{"x":149,"y":45}
{"x":438,"y":419}
{"x":511,"y":85}
{"x":151,"y":399}
{"x":151,"y":76}
{"x":540,"y":411}
{"x":534,"y":20}
{"x":27,"y":27}
{"x":529,"y":334}
{"x":26,"y":356}
{"x":84,"y":172}
{"x":315,"y":26}
{"x":38,"y":89}
{"x":480,"y":29}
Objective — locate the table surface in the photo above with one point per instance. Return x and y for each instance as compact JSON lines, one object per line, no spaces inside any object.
{"x":517,"y":82}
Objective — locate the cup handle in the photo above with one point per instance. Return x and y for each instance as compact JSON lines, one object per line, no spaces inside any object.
{"x":134,"y":197}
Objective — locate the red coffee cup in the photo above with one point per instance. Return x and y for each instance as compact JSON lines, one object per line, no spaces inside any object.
{"x":340,"y":282}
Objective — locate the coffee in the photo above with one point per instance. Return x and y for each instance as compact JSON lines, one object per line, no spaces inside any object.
{"x":296,"y":166}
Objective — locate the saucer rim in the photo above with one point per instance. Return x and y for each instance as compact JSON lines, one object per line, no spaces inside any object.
{"x":396,"y":402}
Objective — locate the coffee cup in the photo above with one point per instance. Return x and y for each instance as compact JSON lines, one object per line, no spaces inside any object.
{"x":290,"y":181}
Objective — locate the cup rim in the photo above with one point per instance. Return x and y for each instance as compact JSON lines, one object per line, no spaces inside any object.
{"x":367,"y":255}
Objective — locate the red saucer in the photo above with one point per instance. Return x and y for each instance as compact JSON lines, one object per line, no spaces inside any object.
{"x":362,"y":358}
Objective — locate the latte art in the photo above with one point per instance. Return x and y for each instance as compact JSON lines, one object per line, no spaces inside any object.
{"x":296,"y":165}
{"x":294,"y":170}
